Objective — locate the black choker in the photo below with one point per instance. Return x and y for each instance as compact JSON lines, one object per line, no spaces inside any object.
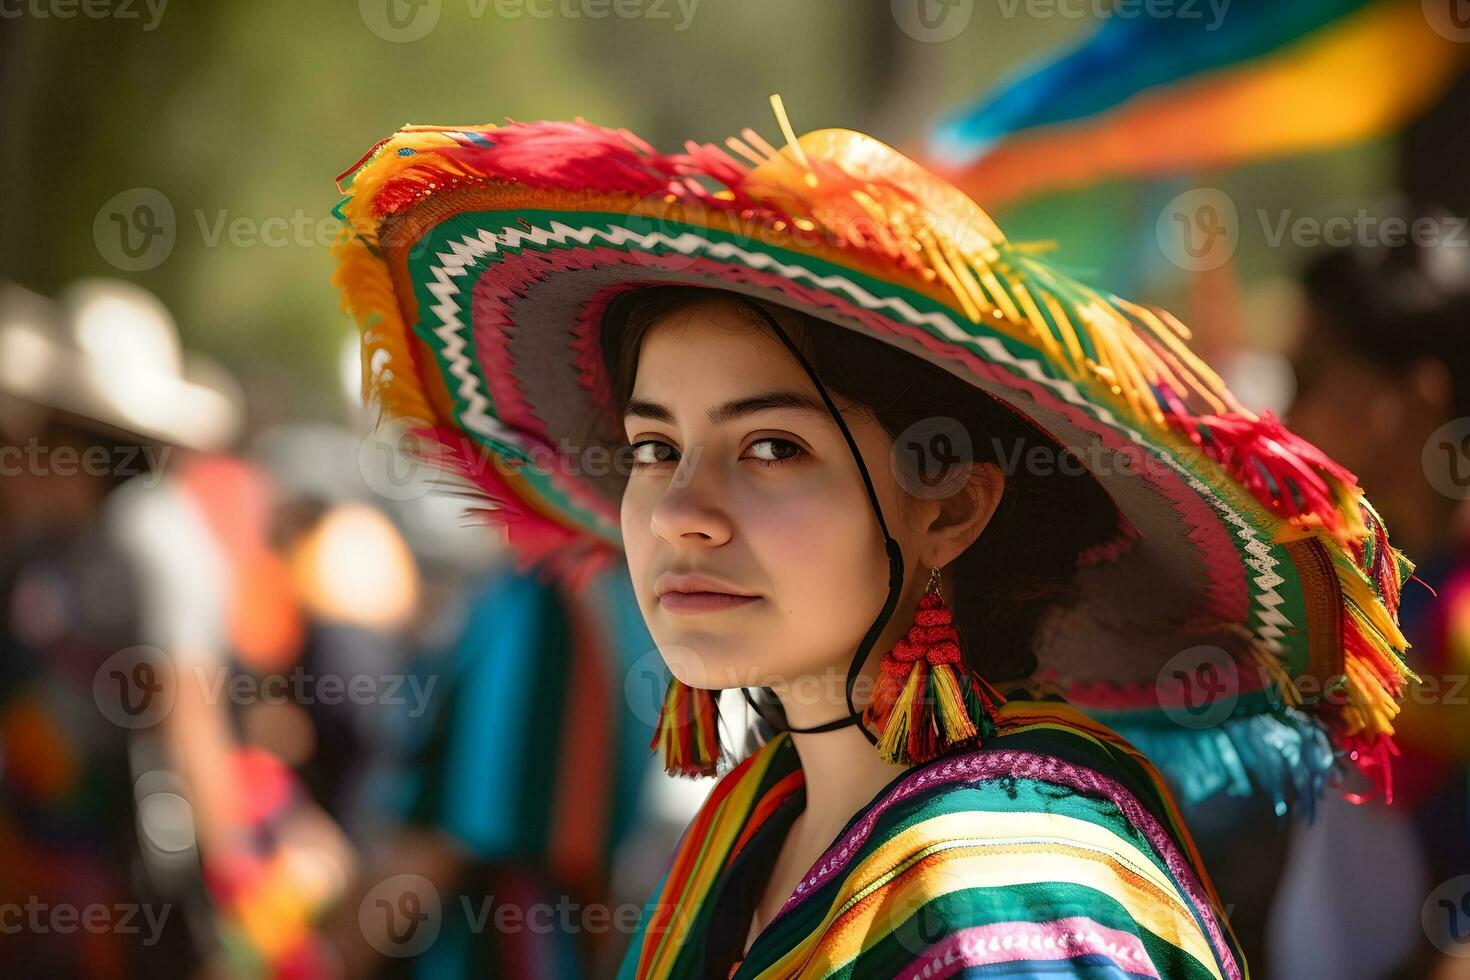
{"x":831,"y":726}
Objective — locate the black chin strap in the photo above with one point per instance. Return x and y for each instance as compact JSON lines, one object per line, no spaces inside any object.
{"x":895,"y":556}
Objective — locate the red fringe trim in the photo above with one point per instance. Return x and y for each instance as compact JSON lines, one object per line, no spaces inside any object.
{"x":536,"y":541}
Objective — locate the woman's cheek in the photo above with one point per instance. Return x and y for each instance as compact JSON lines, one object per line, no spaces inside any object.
{"x":637,"y":533}
{"x":821,"y":566}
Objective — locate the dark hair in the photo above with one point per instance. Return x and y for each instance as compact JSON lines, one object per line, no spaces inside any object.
{"x":1024,"y":563}
{"x":1393,"y":304}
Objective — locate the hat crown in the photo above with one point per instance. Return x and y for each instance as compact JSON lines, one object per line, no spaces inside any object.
{"x":123,"y":325}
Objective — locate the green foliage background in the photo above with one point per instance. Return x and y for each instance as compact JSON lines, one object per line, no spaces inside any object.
{"x":237,"y":109}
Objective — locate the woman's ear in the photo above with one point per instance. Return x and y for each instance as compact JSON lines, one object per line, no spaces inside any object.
{"x":961,"y":517}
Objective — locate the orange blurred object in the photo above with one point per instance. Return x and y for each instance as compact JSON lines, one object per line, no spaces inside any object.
{"x":265,"y":623}
{"x":354,"y":567}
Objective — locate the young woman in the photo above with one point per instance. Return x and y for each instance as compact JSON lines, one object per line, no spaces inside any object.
{"x":862,"y":454}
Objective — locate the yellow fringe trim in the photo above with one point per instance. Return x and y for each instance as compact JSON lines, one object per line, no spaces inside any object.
{"x":950,"y":705}
{"x":1270,"y":665}
{"x":892,"y":744}
{"x":669,"y":744}
{"x":1370,"y":707}
{"x":387,"y":362}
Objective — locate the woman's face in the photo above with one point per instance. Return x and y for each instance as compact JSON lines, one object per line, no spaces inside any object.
{"x":740,"y":474}
{"x":1371,"y":419}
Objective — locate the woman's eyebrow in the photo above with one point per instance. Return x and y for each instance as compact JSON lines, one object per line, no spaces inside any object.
{"x":785,"y":399}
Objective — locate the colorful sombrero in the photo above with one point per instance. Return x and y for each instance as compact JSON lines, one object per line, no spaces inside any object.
{"x":1243,"y":623}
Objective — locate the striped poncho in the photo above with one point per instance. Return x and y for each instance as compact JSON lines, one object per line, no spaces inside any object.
{"x":1051,"y":851}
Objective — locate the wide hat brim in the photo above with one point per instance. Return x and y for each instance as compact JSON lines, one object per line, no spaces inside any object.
{"x":1249,"y":602}
{"x":189,"y":401}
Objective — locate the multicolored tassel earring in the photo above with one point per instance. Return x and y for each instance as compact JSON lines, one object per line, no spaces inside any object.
{"x":688,"y":732}
{"x":926,"y":702}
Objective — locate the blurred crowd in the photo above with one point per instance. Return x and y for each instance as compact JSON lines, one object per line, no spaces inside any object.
{"x":260,"y":692}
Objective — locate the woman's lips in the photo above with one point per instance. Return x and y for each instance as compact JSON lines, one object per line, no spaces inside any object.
{"x":697,"y":602}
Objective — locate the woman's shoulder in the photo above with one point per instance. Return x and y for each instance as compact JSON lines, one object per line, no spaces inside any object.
{"x":1050,"y":841}
{"x":1053,"y":842}
{"x":1060,"y":781}
{"x":1047,"y":740}
{"x":1049,"y":745}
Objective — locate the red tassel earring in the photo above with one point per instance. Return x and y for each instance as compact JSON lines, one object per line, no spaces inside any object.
{"x":926,"y":702}
{"x":688,"y":733}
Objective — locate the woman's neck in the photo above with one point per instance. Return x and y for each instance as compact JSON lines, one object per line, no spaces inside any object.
{"x":842,"y":772}
{"x":842,"y":769}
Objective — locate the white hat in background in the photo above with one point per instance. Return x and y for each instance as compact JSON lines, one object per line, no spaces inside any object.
{"x":108,"y":351}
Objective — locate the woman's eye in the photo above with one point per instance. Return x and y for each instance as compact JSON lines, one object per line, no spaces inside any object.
{"x":769,"y":452}
{"x":774,"y":452}
{"x":649,"y":453}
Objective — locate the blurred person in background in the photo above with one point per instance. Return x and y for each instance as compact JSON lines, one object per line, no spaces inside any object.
{"x":525,"y":805}
{"x":1383,"y":385}
{"x":462,"y":814}
{"x":359,"y":587}
{"x":137,"y":576}
{"x":231,"y":608}
{"x":94,"y":396}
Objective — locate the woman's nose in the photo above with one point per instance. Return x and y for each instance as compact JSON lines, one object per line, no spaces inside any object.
{"x":690,"y":511}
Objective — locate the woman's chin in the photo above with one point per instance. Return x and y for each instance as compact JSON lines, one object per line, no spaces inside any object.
{"x":710,"y":664}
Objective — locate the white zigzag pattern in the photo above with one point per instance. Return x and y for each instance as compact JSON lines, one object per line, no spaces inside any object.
{"x":469,"y":250}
